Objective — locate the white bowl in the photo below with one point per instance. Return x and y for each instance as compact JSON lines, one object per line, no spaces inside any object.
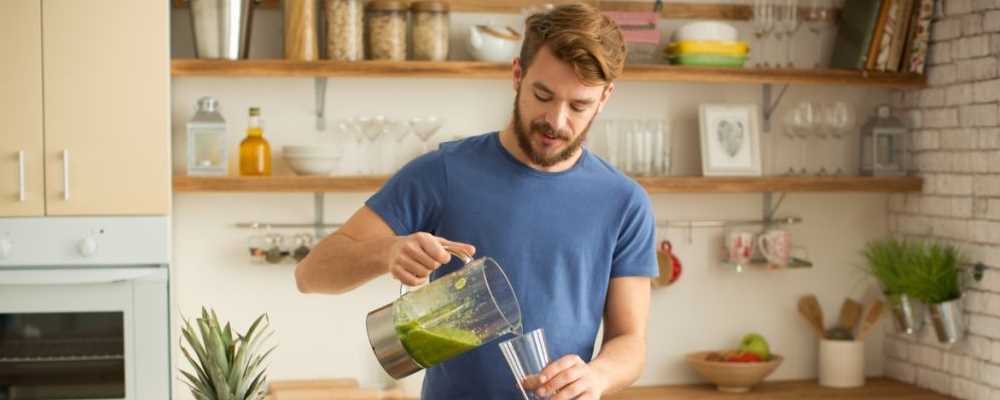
{"x":309,"y":165}
{"x":311,"y":150}
{"x":707,"y":30}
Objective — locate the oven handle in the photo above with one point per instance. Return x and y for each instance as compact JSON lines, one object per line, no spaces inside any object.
{"x":75,"y":276}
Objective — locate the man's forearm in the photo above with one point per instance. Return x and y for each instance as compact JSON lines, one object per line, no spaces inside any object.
{"x":338,"y":264}
{"x":621,"y":361}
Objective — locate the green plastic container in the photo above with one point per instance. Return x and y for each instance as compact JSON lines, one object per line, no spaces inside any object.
{"x":708,"y":60}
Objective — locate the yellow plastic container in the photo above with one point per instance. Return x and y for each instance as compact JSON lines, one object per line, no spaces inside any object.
{"x":736,"y":49}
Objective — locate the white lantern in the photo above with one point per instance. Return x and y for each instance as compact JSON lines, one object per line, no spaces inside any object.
{"x":206,"y":140}
{"x":883,"y":145}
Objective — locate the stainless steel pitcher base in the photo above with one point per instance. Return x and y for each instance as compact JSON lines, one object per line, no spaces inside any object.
{"x":389,"y":350}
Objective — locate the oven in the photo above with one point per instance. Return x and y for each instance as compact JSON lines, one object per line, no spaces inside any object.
{"x":84,"y":308}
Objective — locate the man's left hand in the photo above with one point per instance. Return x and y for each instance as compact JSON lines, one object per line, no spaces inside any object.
{"x":567,"y":378}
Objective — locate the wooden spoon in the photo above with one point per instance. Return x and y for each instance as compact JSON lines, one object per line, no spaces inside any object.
{"x":810,"y":310}
{"x":871,"y":319}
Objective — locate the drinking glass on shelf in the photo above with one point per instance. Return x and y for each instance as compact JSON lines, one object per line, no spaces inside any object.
{"x":398,"y":130}
{"x":805,"y":121}
{"x":788,"y":24}
{"x":790,"y":132}
{"x":842,"y":120}
{"x":352,"y":129}
{"x":425,"y":128}
{"x":763,"y":26}
{"x":819,"y":15}
{"x":373,"y":128}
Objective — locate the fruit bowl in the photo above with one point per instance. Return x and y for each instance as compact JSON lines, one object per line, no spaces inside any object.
{"x":732,"y":377}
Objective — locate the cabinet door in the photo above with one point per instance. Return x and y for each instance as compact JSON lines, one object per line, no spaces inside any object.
{"x":21,"y":179}
{"x":107,"y":111}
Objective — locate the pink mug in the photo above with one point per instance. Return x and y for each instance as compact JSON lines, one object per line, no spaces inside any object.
{"x":776,"y":246}
{"x":739,"y":246}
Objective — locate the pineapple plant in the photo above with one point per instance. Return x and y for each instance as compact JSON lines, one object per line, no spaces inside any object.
{"x":226,"y":365}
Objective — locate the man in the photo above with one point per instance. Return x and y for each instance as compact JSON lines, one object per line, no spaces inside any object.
{"x":574,"y":236}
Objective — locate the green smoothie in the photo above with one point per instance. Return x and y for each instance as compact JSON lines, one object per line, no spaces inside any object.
{"x":429,"y":347}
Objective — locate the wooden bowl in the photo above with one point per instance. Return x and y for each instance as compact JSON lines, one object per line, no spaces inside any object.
{"x":733,"y":377}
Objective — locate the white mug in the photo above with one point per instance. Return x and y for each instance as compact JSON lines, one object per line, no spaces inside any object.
{"x":776,"y":246}
{"x":739,"y":246}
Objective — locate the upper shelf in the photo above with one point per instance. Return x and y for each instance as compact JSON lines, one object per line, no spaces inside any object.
{"x":668,"y":184}
{"x":670,"y":10}
{"x":485,"y":70}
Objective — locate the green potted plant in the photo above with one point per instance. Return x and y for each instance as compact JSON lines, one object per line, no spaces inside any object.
{"x":226,"y":365}
{"x":888,"y":260}
{"x":935,"y":278}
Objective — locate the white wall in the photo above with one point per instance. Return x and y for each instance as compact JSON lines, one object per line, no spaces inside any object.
{"x":323,"y":336}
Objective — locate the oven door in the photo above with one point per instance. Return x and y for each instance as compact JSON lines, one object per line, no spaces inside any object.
{"x":70,"y":333}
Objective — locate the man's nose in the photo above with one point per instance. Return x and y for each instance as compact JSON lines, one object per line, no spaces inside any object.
{"x":557,"y":117}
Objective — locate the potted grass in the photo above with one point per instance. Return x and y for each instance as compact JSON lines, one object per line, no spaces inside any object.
{"x":888,"y":261}
{"x":935,"y":277}
{"x":226,"y":365}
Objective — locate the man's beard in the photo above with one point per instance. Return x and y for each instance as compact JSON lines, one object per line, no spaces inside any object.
{"x":523,"y":134}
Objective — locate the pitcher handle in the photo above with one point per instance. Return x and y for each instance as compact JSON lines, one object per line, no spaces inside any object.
{"x":455,"y":251}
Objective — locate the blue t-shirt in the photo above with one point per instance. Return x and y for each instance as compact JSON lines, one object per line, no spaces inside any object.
{"x":560,"y":237}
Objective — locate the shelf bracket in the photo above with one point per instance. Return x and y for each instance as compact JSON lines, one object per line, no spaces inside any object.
{"x":320,"y":103}
{"x":770,"y":104}
{"x":319,"y":201}
{"x":770,"y":208}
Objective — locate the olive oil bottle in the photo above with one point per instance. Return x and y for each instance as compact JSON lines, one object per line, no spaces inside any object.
{"x":255,"y":152}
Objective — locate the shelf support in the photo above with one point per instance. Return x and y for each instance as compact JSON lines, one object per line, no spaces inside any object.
{"x":319,"y":201}
{"x":320,"y":103}
{"x":769,"y":104}
{"x":770,"y":208}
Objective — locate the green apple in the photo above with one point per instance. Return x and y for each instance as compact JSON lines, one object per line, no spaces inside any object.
{"x":755,"y":343}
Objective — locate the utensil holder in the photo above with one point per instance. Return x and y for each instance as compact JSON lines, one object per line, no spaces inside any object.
{"x":841,"y":363}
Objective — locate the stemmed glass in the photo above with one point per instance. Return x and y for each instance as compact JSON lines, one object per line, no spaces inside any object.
{"x":425,"y":128}
{"x":788,"y":24}
{"x":352,"y":128}
{"x":373,"y":128}
{"x":818,"y":16}
{"x":763,"y":25}
{"x":805,"y":121}
{"x":841,"y":119}
{"x":398,"y":130}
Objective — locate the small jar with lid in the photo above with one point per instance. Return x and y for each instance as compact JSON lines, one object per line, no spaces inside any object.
{"x":386,"y":28}
{"x":430,"y":30}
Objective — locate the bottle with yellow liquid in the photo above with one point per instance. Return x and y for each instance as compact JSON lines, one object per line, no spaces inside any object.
{"x":255,"y":152}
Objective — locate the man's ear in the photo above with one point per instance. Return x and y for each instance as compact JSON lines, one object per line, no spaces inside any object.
{"x":518,"y":72}
{"x":605,"y":95}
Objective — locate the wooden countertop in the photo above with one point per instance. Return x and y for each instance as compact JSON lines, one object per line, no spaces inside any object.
{"x":874,"y":389}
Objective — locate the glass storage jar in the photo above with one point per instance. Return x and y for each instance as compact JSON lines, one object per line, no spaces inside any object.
{"x":430,"y":30}
{"x":386,"y":28}
{"x":345,"y":29}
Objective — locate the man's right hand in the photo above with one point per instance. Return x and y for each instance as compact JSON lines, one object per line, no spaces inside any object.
{"x":412,"y":258}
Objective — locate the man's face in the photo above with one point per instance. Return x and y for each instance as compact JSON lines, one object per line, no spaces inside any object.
{"x":553,"y":110}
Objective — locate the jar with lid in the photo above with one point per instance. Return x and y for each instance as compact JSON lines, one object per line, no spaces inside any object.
{"x":386,"y":28}
{"x":430,"y":30}
{"x":345,"y":29}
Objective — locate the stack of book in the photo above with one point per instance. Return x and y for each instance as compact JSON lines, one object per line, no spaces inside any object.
{"x":883,"y":35}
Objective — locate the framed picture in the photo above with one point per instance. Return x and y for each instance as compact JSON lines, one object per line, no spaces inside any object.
{"x":730,"y":139}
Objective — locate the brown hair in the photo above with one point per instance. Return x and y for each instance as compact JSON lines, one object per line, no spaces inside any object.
{"x":580,"y":35}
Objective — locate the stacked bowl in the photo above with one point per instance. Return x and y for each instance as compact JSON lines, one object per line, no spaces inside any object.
{"x":707,"y":43}
{"x":311,"y":160}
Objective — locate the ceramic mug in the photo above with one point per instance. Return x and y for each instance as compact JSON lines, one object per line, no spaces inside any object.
{"x":739,"y":246}
{"x":776,"y":246}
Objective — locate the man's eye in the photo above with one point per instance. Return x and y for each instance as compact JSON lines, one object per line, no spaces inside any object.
{"x":578,"y":108}
{"x":542,"y":98}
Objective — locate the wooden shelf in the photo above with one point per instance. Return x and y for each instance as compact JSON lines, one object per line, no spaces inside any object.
{"x":671,"y":184}
{"x":485,"y":70}
{"x":670,"y":10}
{"x":874,"y":389}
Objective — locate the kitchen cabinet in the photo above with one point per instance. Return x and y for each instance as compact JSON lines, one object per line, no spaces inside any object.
{"x":90,"y":105}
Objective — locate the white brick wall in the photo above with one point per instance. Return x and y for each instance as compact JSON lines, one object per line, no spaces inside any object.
{"x":955,"y":139}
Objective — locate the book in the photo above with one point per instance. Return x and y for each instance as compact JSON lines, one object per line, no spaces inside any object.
{"x":877,"y":36}
{"x":904,"y":64}
{"x":921,"y":36}
{"x":900,"y":35}
{"x":856,"y":26}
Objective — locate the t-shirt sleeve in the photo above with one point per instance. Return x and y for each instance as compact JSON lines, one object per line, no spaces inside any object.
{"x":635,"y":251}
{"x":413,"y":199}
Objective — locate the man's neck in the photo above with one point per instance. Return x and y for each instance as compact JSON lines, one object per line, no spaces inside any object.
{"x":508,"y":139}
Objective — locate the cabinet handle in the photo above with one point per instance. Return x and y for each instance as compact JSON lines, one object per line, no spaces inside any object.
{"x":20,"y":176}
{"x":65,"y":154}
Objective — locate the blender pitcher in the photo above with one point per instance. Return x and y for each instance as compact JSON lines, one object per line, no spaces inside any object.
{"x":455,"y":313}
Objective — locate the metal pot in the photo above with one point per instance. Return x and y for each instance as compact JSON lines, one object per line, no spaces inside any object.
{"x":907,"y":313}
{"x":222,"y":28}
{"x":948,"y":322}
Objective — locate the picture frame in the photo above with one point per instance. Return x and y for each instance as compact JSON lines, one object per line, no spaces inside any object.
{"x":730,"y":139}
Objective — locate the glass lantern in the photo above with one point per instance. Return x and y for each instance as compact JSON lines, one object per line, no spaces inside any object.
{"x":883,"y":144}
{"x":206,"y":140}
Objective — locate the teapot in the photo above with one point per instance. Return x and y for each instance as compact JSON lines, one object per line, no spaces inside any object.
{"x":488,"y":43}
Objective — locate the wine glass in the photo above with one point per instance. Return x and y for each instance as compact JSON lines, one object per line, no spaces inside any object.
{"x":819,"y":14}
{"x":842,"y":120}
{"x":805,"y":121}
{"x":351,"y":128}
{"x":398,"y":130}
{"x":763,"y":25}
{"x":373,"y":128}
{"x":425,"y":128}
{"x":789,"y":24}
